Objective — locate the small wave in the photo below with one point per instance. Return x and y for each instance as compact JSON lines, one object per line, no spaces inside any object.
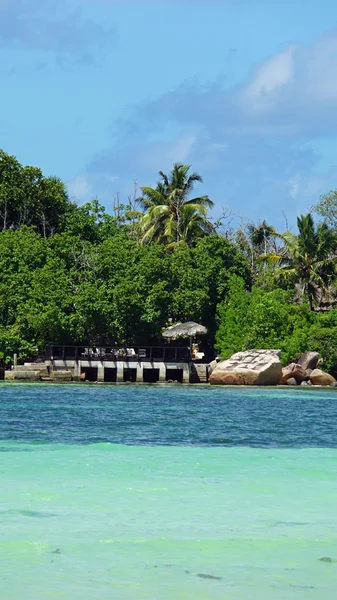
{"x":208,"y":576}
{"x":29,"y":513}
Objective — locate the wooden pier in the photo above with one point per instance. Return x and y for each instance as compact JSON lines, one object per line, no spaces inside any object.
{"x":138,"y":364}
{"x":113,"y":364}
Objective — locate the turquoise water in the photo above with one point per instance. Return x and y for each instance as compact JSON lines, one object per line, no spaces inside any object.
{"x":164,"y":493}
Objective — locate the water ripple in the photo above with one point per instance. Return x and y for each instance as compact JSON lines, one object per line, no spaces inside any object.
{"x":170,"y":416}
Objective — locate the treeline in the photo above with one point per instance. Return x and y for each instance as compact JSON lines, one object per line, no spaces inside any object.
{"x":71,"y":274}
{"x":272,"y":319}
{"x":74,"y":274}
{"x":65,"y":289}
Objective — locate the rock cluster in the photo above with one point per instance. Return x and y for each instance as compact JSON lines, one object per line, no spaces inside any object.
{"x":253,"y":367}
{"x":305,"y":372}
{"x":294,"y":372}
{"x":263,"y":367}
{"x":308,"y":360}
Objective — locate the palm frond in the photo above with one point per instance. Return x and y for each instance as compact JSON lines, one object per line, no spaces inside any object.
{"x":151,"y":196}
{"x":270,"y":258}
{"x":188,"y":210}
{"x":202,"y":200}
{"x":170,"y":216}
{"x":164,"y":178}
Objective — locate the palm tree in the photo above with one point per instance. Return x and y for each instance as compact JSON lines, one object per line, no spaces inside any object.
{"x":260,"y":236}
{"x":258,"y":240}
{"x":171,"y":218}
{"x":308,"y":259}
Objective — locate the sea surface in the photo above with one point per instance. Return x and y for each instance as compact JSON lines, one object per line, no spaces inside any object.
{"x":167,"y":493}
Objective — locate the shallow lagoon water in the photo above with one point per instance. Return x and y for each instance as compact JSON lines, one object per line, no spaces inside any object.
{"x":162,"y":493}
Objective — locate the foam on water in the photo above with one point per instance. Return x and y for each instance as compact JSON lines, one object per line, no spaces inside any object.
{"x":83,"y":520}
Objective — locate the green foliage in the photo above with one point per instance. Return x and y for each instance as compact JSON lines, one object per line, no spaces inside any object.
{"x":29,"y":198}
{"x":75,"y":274}
{"x":262,"y":319}
{"x":327,"y":208}
{"x":90,"y":222}
{"x":307,"y":261}
{"x":171,"y":218}
{"x":322,"y":337}
{"x":68,"y":289}
{"x":271,"y":319}
{"x":233,"y":317}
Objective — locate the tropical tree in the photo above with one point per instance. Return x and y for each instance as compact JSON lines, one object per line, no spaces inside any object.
{"x":263,"y":319}
{"x":172,"y":218}
{"x":27,"y":197}
{"x":254,"y":241}
{"x":327,"y":208}
{"x":308,"y":259}
{"x":260,"y":237}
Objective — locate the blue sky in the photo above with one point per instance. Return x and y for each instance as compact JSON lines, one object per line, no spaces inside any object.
{"x":106,"y":92}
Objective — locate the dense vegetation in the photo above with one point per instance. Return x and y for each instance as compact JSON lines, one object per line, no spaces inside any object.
{"x":74,"y":274}
{"x":271,"y":319}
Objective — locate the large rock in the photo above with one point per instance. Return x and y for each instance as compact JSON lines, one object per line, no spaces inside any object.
{"x":212,"y":366}
{"x":253,"y":367}
{"x":293,"y":371}
{"x":308,"y":360}
{"x":318,"y":377}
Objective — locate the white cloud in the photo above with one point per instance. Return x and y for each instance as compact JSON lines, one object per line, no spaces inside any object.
{"x":292,"y":94}
{"x":294,"y":186}
{"x":270,"y":80}
{"x":254,"y":144}
{"x":296,"y":89}
{"x":180,"y":151}
{"x":319,"y":64}
{"x":57,"y":26}
{"x":79,"y":188}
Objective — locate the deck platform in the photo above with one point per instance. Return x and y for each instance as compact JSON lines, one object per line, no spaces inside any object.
{"x":146,"y":364}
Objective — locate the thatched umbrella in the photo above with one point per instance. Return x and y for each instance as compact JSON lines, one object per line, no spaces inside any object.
{"x":184,"y":330}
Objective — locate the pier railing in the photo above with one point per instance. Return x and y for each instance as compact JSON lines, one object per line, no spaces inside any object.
{"x":114,"y":353}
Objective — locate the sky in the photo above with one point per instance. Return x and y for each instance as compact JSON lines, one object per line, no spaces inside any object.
{"x":105,"y":93}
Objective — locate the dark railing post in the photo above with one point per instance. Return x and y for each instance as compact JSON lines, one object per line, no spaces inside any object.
{"x":164,"y":353}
